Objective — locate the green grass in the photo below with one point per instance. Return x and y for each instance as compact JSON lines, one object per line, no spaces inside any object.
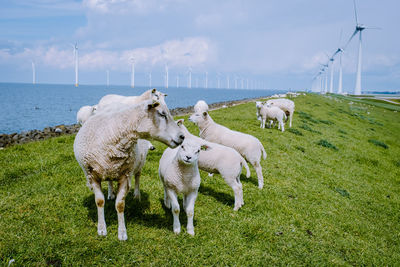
{"x":319,"y":206}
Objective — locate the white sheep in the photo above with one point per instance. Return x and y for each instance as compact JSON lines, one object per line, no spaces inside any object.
{"x":84,"y":113}
{"x":286,"y":105}
{"x":272,"y":113}
{"x":200,"y":106}
{"x":140,"y":150}
{"x":259,"y":104}
{"x":104,"y":146}
{"x":149,"y":94}
{"x":179,"y":173}
{"x":223,"y":160}
{"x":247,"y":145}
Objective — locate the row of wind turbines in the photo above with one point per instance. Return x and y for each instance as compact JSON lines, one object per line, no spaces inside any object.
{"x":320,"y":80}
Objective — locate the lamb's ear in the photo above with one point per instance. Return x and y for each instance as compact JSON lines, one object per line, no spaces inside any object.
{"x":154,"y":90}
{"x":153,"y":105}
{"x":165,"y":95}
{"x":204,"y":114}
{"x":179,"y":122}
{"x":205,"y":147}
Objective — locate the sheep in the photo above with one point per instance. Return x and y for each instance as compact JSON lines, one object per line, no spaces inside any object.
{"x":223,"y":160}
{"x":179,"y":173}
{"x":140,"y":151}
{"x":104,"y":146}
{"x":286,"y":105}
{"x":259,"y":104}
{"x":149,"y":94}
{"x":84,"y":113}
{"x":272,"y":113}
{"x":200,"y":106}
{"x":247,"y":145}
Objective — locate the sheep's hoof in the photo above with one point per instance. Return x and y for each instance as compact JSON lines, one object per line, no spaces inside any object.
{"x":177,"y":231}
{"x":190,"y":232}
{"x":102,"y":231}
{"x":136,"y":195}
{"x":111,"y":196}
{"x":122,"y":235}
{"x":260,"y":186}
{"x":210,"y":174}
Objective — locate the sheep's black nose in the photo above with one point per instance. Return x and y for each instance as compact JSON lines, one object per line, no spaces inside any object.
{"x":182,"y":137}
{"x":188,"y":157}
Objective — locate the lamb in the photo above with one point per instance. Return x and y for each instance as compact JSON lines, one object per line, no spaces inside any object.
{"x":200,"y":106}
{"x":104,"y":146}
{"x":247,"y":145}
{"x":223,"y":160}
{"x":259,"y":104}
{"x":286,"y":105}
{"x":179,"y":173}
{"x":140,"y":151}
{"x":272,"y":113}
{"x":84,"y":113}
{"x":149,"y":94}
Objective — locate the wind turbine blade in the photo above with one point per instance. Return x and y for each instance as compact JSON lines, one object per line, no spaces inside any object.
{"x":340,"y":37}
{"x":355,"y":11}
{"x":373,"y":28}
{"x":351,"y":37}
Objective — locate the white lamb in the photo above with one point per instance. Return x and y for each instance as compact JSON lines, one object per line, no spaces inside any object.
{"x":179,"y":173}
{"x":84,"y":113}
{"x":223,"y":160}
{"x":200,"y":106}
{"x":104,"y":147}
{"x":247,"y":145}
{"x":272,"y":113}
{"x":140,"y":151}
{"x":284,"y":104}
{"x":149,"y":94}
{"x":259,"y":104}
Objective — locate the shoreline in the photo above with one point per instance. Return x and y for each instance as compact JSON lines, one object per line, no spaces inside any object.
{"x":24,"y":137}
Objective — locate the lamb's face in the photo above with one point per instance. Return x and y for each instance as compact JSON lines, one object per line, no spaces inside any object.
{"x":258,"y":104}
{"x":158,"y":96}
{"x":198,"y":118}
{"x":189,"y":152}
{"x":161,"y":126}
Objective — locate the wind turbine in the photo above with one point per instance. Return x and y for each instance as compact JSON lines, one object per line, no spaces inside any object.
{"x":359,"y":29}
{"x":227,"y":82}
{"x":133,"y":73}
{"x":33,"y":73}
{"x":218,"y":83}
{"x":206,"y":81}
{"x":166,"y":75}
{"x":108,"y":78}
{"x":339,"y":51}
{"x":190,"y":77}
{"x":149,"y":79}
{"x":177,"y":81}
{"x":76,"y":64}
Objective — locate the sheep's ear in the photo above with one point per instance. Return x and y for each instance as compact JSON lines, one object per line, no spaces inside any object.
{"x":153,"y":105}
{"x":165,"y":95}
{"x":179,"y":122}
{"x":204,"y":114}
{"x":205,"y":147}
{"x":154,"y":90}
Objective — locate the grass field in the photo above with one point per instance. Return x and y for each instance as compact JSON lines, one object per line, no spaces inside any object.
{"x":331,"y":197}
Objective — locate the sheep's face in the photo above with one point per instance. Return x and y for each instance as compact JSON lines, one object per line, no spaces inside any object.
{"x":160,"y":125}
{"x":188,"y":152}
{"x":259,"y":104}
{"x":198,"y":118}
{"x":158,"y":96}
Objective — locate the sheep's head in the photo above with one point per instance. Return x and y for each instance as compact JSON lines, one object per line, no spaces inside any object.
{"x":158,"y":124}
{"x":199,"y":118}
{"x":157,"y":95}
{"x":189,"y":151}
{"x":259,"y":104}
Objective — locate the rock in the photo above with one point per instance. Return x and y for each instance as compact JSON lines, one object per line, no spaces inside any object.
{"x":58,"y":130}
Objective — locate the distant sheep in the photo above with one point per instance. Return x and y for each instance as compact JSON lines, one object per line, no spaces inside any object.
{"x":286,"y":105}
{"x":84,"y":113}
{"x":247,"y":145}
{"x":104,"y":147}
{"x":179,"y":173}
{"x":223,"y":160}
{"x":272,"y":113}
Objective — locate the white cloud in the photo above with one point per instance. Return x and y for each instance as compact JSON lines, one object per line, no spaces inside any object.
{"x":128,"y":6}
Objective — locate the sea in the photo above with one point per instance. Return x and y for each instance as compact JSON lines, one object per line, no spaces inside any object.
{"x":25,"y":107}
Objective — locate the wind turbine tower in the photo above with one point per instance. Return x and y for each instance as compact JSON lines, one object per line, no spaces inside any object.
{"x":166,"y":76}
{"x":177,"y":81}
{"x":190,"y":77}
{"x":331,"y":81}
{"x":76,"y":64}
{"x":108,"y":78}
{"x":206,"y":82}
{"x":133,"y":73}
{"x":227,"y":82}
{"x":33,"y":73}
{"x":150,"y":79}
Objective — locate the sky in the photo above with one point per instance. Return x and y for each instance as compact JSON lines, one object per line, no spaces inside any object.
{"x":270,"y":44}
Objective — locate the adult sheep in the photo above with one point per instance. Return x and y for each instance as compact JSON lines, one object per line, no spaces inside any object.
{"x":272,"y":114}
{"x":104,"y":146}
{"x":84,"y":113}
{"x":223,"y":160}
{"x":247,"y":145}
{"x":286,"y":105}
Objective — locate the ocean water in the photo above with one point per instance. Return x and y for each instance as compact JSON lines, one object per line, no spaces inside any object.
{"x":26,"y":107}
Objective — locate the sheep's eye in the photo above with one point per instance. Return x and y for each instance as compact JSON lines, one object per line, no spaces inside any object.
{"x":183,"y":147}
{"x":198,"y":151}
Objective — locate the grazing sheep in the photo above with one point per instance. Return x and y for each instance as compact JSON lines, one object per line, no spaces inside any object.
{"x":149,"y":94}
{"x":286,"y":105}
{"x":247,"y":145}
{"x":200,"y":106}
{"x":179,"y":173}
{"x":84,"y":113}
{"x":259,"y":104}
{"x":104,"y":147}
{"x":223,"y":160}
{"x":140,"y":151}
{"x":272,"y":113}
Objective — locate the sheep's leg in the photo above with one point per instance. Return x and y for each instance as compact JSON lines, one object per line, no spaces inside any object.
{"x":167,"y":201}
{"x":136,"y":193}
{"x":123,"y":189}
{"x":111,"y":194}
{"x":279,"y":125}
{"x":258,"y":169}
{"x":282,"y":126}
{"x":237,"y":190}
{"x":290,"y":119}
{"x":99,"y":198}
{"x":175,"y":210}
{"x":190,"y":200}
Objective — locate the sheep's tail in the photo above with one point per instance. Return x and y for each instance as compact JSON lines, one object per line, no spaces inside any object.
{"x":263,"y":152}
{"x":246,"y":166}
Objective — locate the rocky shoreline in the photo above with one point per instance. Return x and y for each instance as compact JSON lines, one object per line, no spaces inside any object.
{"x":7,"y":140}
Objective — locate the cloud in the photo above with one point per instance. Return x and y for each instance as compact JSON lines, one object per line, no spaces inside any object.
{"x":128,"y":6}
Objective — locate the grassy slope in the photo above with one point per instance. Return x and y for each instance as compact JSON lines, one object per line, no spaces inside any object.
{"x":318,"y":206}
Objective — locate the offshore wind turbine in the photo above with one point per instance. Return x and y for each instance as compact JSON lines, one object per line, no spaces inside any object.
{"x":227,"y":82}
{"x":206,"y":81}
{"x":190,"y":77}
{"x":166,"y":75}
{"x":149,"y":79}
{"x":177,"y":81}
{"x":359,"y":29}
{"x":218,"y":82}
{"x":33,"y":73}
{"x":108,"y":78}
{"x":133,"y":72}
{"x":76,"y":64}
